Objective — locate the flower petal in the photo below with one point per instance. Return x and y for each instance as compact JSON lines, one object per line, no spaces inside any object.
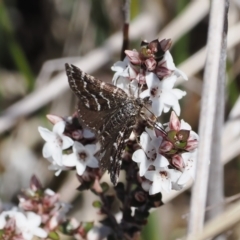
{"x":34,"y":220}
{"x":178,"y":93}
{"x":155,"y":188}
{"x":93,"y":163}
{"x":157,"y":106}
{"x":59,"y":127}
{"x":144,"y":140}
{"x":161,"y":161}
{"x":56,"y":153}
{"x":87,"y":133}
{"x":39,"y":232}
{"x":46,"y":151}
{"x":144,"y":165}
{"x":66,"y":142}
{"x":149,"y":175}
{"x":138,"y":155}
{"x":46,"y":134}
{"x":91,"y":148}
{"x":70,"y":160}
{"x":168,"y":82}
{"x":145,"y":93}
{"x":80,"y":166}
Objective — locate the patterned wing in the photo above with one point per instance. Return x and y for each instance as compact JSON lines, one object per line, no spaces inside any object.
{"x":111,"y":154}
{"x":103,"y":108}
{"x":90,"y":119}
{"x":92,"y":92}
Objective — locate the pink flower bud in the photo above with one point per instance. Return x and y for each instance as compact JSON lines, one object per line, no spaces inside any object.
{"x":165,"y":44}
{"x":54,"y":118}
{"x":150,"y":64}
{"x":192,"y":145}
{"x":133,"y":57}
{"x":166,"y":146}
{"x":162,"y":72}
{"x":174,"y":123}
{"x":177,"y":161}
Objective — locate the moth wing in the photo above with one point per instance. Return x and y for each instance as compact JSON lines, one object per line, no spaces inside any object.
{"x":95,"y":94}
{"x":90,"y":119}
{"x":111,"y":150}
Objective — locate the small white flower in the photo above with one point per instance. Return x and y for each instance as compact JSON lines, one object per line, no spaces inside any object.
{"x":55,"y":141}
{"x":190,"y":159}
{"x":175,"y":175}
{"x":161,"y":179}
{"x":29,"y":226}
{"x":168,"y":59}
{"x":130,"y":87}
{"x":124,"y":77}
{"x":121,"y":69}
{"x":57,"y":167}
{"x":82,"y":157}
{"x":87,"y":133}
{"x":149,"y":155}
{"x":8,"y":214}
{"x":162,"y":95}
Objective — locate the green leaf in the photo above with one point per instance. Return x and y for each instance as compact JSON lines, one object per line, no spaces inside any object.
{"x":181,"y":145}
{"x":171,"y":135}
{"x":53,"y":236}
{"x":87,"y":226}
{"x":97,"y":204}
{"x":104,"y":186}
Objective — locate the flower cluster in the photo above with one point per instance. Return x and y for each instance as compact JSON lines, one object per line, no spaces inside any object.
{"x":151,"y":73}
{"x":68,"y":135}
{"x":167,"y":157}
{"x":158,"y":157}
{"x":40,"y":213}
{"x":148,"y":73}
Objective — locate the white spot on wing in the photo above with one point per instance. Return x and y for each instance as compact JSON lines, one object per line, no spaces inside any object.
{"x":121,"y":133}
{"x":108,"y":101}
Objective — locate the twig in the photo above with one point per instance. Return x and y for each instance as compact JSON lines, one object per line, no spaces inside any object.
{"x":215,"y":186}
{"x":126,"y":13}
{"x":217,"y":225}
{"x":207,"y":117}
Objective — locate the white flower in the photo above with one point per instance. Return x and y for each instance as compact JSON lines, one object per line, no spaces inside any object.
{"x":55,"y":141}
{"x":171,"y":66}
{"x":8,"y":214}
{"x":130,"y":87}
{"x":57,"y":167}
{"x":162,"y":95}
{"x":87,"y":133}
{"x":175,"y":175}
{"x":82,"y":157}
{"x":121,"y":69}
{"x":124,"y":77}
{"x":28,"y":225}
{"x":190,"y":159}
{"x":149,"y":155}
{"x":161,"y":179}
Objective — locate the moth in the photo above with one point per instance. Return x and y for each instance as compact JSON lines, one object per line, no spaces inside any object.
{"x":109,"y":112}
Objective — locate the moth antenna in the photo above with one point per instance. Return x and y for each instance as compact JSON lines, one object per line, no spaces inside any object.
{"x":154,"y":122}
